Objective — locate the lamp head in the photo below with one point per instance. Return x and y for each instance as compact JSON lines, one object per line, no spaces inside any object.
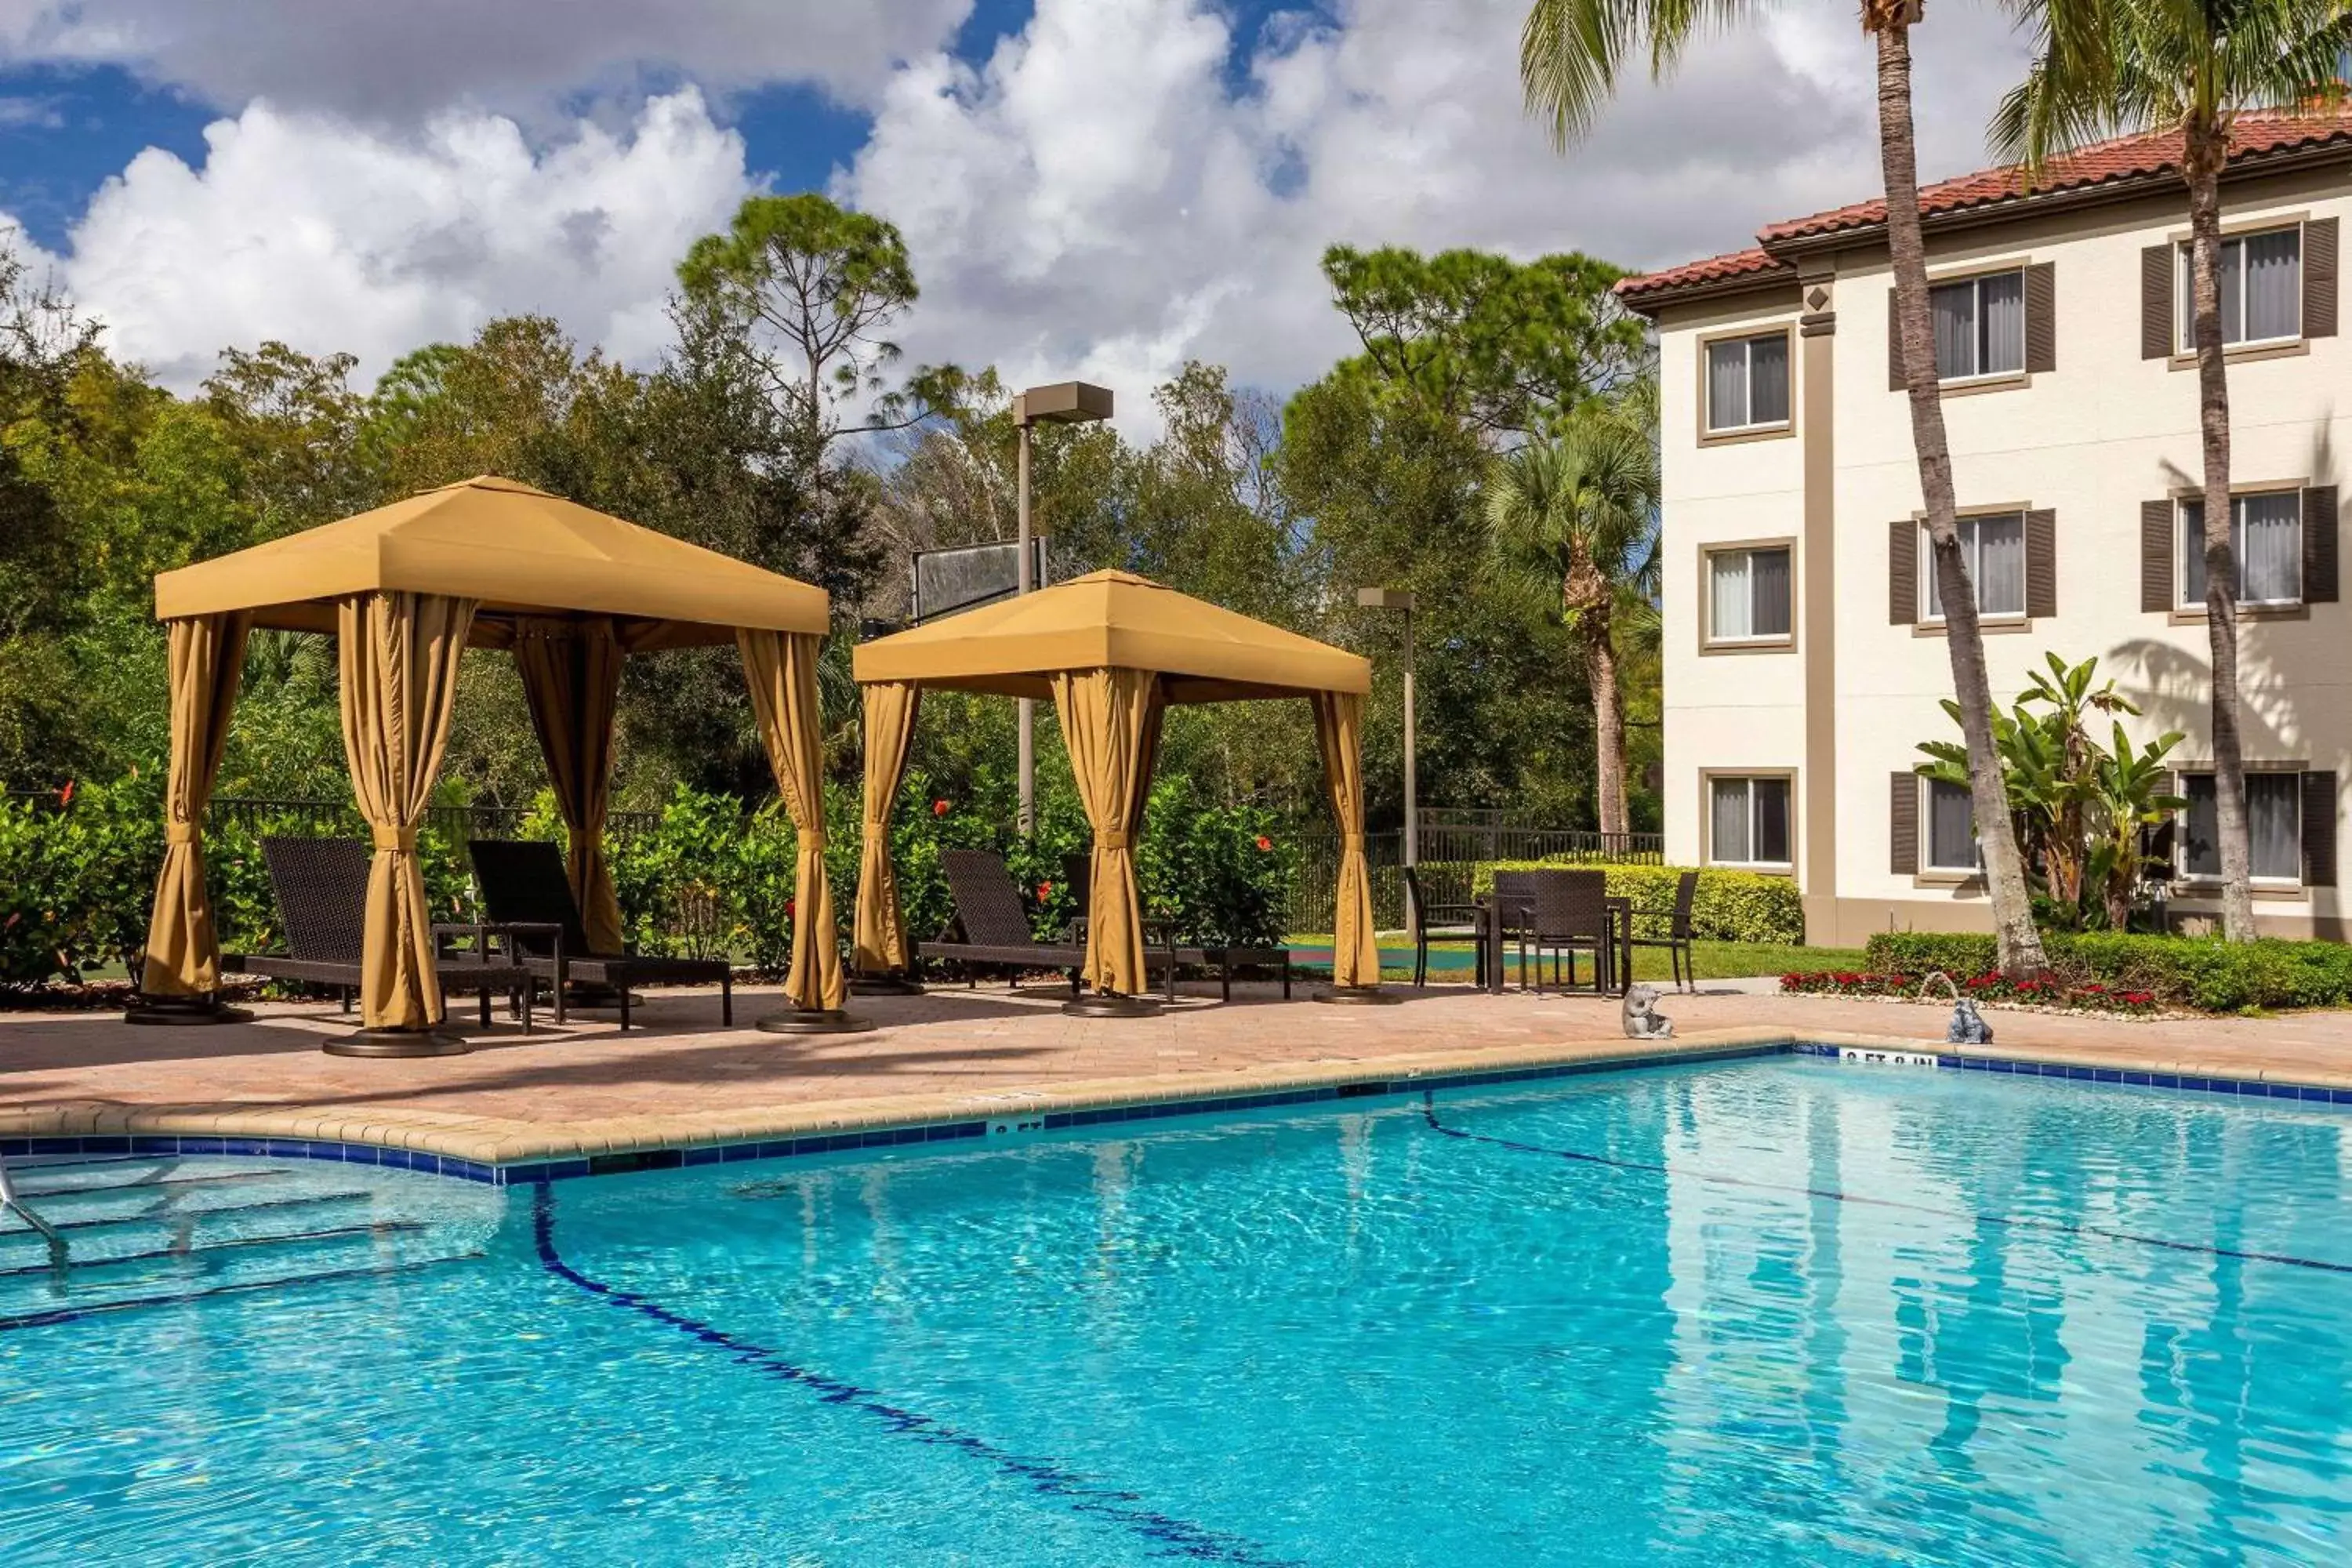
{"x":1064,"y":403}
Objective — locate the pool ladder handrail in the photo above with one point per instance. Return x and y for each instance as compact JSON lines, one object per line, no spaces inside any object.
{"x":48,"y":1233}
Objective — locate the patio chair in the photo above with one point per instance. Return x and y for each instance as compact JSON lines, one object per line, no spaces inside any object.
{"x":321,"y":889}
{"x":1440,"y":922}
{"x":1679,"y":933}
{"x":523,"y":885}
{"x":1562,"y":913}
{"x":993,"y":924}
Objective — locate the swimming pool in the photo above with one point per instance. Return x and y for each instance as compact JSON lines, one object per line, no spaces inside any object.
{"x":1771,"y":1311}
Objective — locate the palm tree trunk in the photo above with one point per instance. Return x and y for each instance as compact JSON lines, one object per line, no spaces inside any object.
{"x":1608,"y":728}
{"x":2018,"y":945}
{"x":2206,"y":149}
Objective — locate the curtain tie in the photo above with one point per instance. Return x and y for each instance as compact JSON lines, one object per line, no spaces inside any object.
{"x":1351,"y":843}
{"x":400,"y":840}
{"x":184,"y":833}
{"x":809,"y":839}
{"x":1112,"y":838}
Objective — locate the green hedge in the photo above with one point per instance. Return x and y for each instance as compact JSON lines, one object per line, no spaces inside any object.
{"x":2210,"y":976}
{"x":1729,"y":906}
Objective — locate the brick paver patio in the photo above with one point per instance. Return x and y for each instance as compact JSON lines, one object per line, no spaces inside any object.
{"x":588,"y":1088}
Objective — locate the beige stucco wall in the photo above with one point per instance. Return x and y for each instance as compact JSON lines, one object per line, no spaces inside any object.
{"x":2090,"y":440}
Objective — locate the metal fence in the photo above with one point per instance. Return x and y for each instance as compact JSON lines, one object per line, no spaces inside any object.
{"x":1450,"y":853}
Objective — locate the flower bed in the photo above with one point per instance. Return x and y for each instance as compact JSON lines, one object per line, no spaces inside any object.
{"x":1986,"y":989}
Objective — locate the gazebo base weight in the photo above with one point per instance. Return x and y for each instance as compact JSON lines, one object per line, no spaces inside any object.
{"x":1110,"y":1005}
{"x":884,"y":985}
{"x":814,"y":1021}
{"x":397,"y":1043}
{"x":184,"y":1011}
{"x":1359,"y":996}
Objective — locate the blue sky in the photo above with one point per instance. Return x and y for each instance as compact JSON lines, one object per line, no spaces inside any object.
{"x":1096,"y":187}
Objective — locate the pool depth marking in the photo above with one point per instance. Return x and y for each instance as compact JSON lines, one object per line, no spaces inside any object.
{"x":2015,"y":1222}
{"x":1179,"y":1537}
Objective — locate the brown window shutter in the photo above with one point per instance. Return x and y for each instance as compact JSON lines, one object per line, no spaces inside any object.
{"x":2319,"y":530}
{"x":2319,"y":277}
{"x":1902,"y":824}
{"x":2156,"y":319}
{"x":1902,"y":571}
{"x":1896,"y":380}
{"x":2156,"y":555}
{"x":2042,"y":317}
{"x":2041,"y":563}
{"x":2319,"y":831}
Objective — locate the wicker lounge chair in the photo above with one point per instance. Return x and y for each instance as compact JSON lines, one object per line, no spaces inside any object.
{"x":1440,"y":922}
{"x":523,"y":884}
{"x":321,"y":888}
{"x":991,"y":924}
{"x":1679,"y":933}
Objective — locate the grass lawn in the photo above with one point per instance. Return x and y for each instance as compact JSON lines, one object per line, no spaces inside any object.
{"x":1450,"y":961}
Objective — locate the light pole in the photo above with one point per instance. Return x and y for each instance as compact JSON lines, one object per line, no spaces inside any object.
{"x":1400,"y":600}
{"x":1064,"y":403}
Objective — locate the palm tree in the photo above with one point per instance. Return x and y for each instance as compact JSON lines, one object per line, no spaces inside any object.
{"x":1571,"y":518}
{"x":1569,"y":55}
{"x":2105,"y":67}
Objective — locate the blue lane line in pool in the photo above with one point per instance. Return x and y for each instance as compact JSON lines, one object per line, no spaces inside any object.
{"x":1174,"y":1537}
{"x":2015,"y":1222}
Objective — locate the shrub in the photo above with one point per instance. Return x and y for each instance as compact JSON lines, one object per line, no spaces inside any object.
{"x":2208,"y":974}
{"x":2092,"y":997}
{"x":1729,"y":906}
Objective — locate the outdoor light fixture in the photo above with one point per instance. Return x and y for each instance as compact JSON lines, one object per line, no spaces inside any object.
{"x":1063,"y":403}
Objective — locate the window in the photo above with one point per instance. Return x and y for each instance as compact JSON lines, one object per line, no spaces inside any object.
{"x":2274,"y":821}
{"x":1748,"y":383}
{"x":2265,"y":539}
{"x":1747,"y":595}
{"x":1951,"y":828}
{"x":1993,"y":550}
{"x":1980,"y":326}
{"x":2262,"y":290}
{"x":1751,"y":822}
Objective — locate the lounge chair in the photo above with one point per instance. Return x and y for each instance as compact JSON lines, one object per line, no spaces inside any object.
{"x":1440,"y":922}
{"x":1679,"y":934}
{"x":523,"y":885}
{"x":992,"y":925}
{"x":321,"y":888}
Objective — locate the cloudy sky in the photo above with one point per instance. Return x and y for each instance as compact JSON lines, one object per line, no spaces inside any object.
{"x":1093,"y":187}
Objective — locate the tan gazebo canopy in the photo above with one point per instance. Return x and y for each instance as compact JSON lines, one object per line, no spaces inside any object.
{"x":1113,"y":650}
{"x":406,"y":589}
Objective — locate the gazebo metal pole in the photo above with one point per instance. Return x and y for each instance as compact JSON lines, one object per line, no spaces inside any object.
{"x":1028,"y":743}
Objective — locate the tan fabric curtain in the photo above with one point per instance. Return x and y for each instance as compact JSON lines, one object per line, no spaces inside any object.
{"x":1340,"y":734}
{"x":1110,"y":725}
{"x":399,"y":654}
{"x":891,"y":709}
{"x":572,"y":679}
{"x":781,"y":668}
{"x":207,"y":658}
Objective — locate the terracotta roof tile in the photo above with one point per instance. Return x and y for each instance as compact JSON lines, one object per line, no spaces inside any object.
{"x":2124,"y":158}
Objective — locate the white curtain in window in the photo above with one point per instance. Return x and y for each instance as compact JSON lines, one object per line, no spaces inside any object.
{"x":2233,"y":292}
{"x":1730,"y":839}
{"x":1768,"y":381}
{"x":1998,"y":566}
{"x":2269,"y":542}
{"x":2272,"y":270}
{"x":2274,"y":823}
{"x":1951,"y":829}
{"x":1953,"y":308}
{"x":1726,"y":385}
{"x":2001,"y":302}
{"x":1768,"y":598}
{"x":1729,"y":614}
{"x":1771,"y":821}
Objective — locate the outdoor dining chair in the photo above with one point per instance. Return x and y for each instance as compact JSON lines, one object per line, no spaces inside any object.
{"x":1679,"y":934}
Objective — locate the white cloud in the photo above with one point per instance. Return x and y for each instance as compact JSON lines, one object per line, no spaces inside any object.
{"x":403,"y":58}
{"x":1098,"y":198}
{"x":331,"y":237}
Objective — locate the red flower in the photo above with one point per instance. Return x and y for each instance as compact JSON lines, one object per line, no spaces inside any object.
{"x":1264,"y":843}
{"x":790,"y":908}
{"x":939,"y":808}
{"x":64,"y":795}
{"x":1044,"y":891}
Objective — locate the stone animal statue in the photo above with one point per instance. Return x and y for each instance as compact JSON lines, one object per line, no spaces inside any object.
{"x":1643,"y":1019}
{"x":1967,"y":1027}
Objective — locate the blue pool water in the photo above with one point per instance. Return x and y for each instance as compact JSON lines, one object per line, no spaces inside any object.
{"x":1774,"y":1311}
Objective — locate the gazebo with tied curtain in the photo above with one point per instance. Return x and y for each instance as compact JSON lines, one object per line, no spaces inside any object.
{"x":1113,"y":651}
{"x":406,"y":589}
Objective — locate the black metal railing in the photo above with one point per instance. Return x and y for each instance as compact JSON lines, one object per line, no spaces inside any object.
{"x":1451,"y":852}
